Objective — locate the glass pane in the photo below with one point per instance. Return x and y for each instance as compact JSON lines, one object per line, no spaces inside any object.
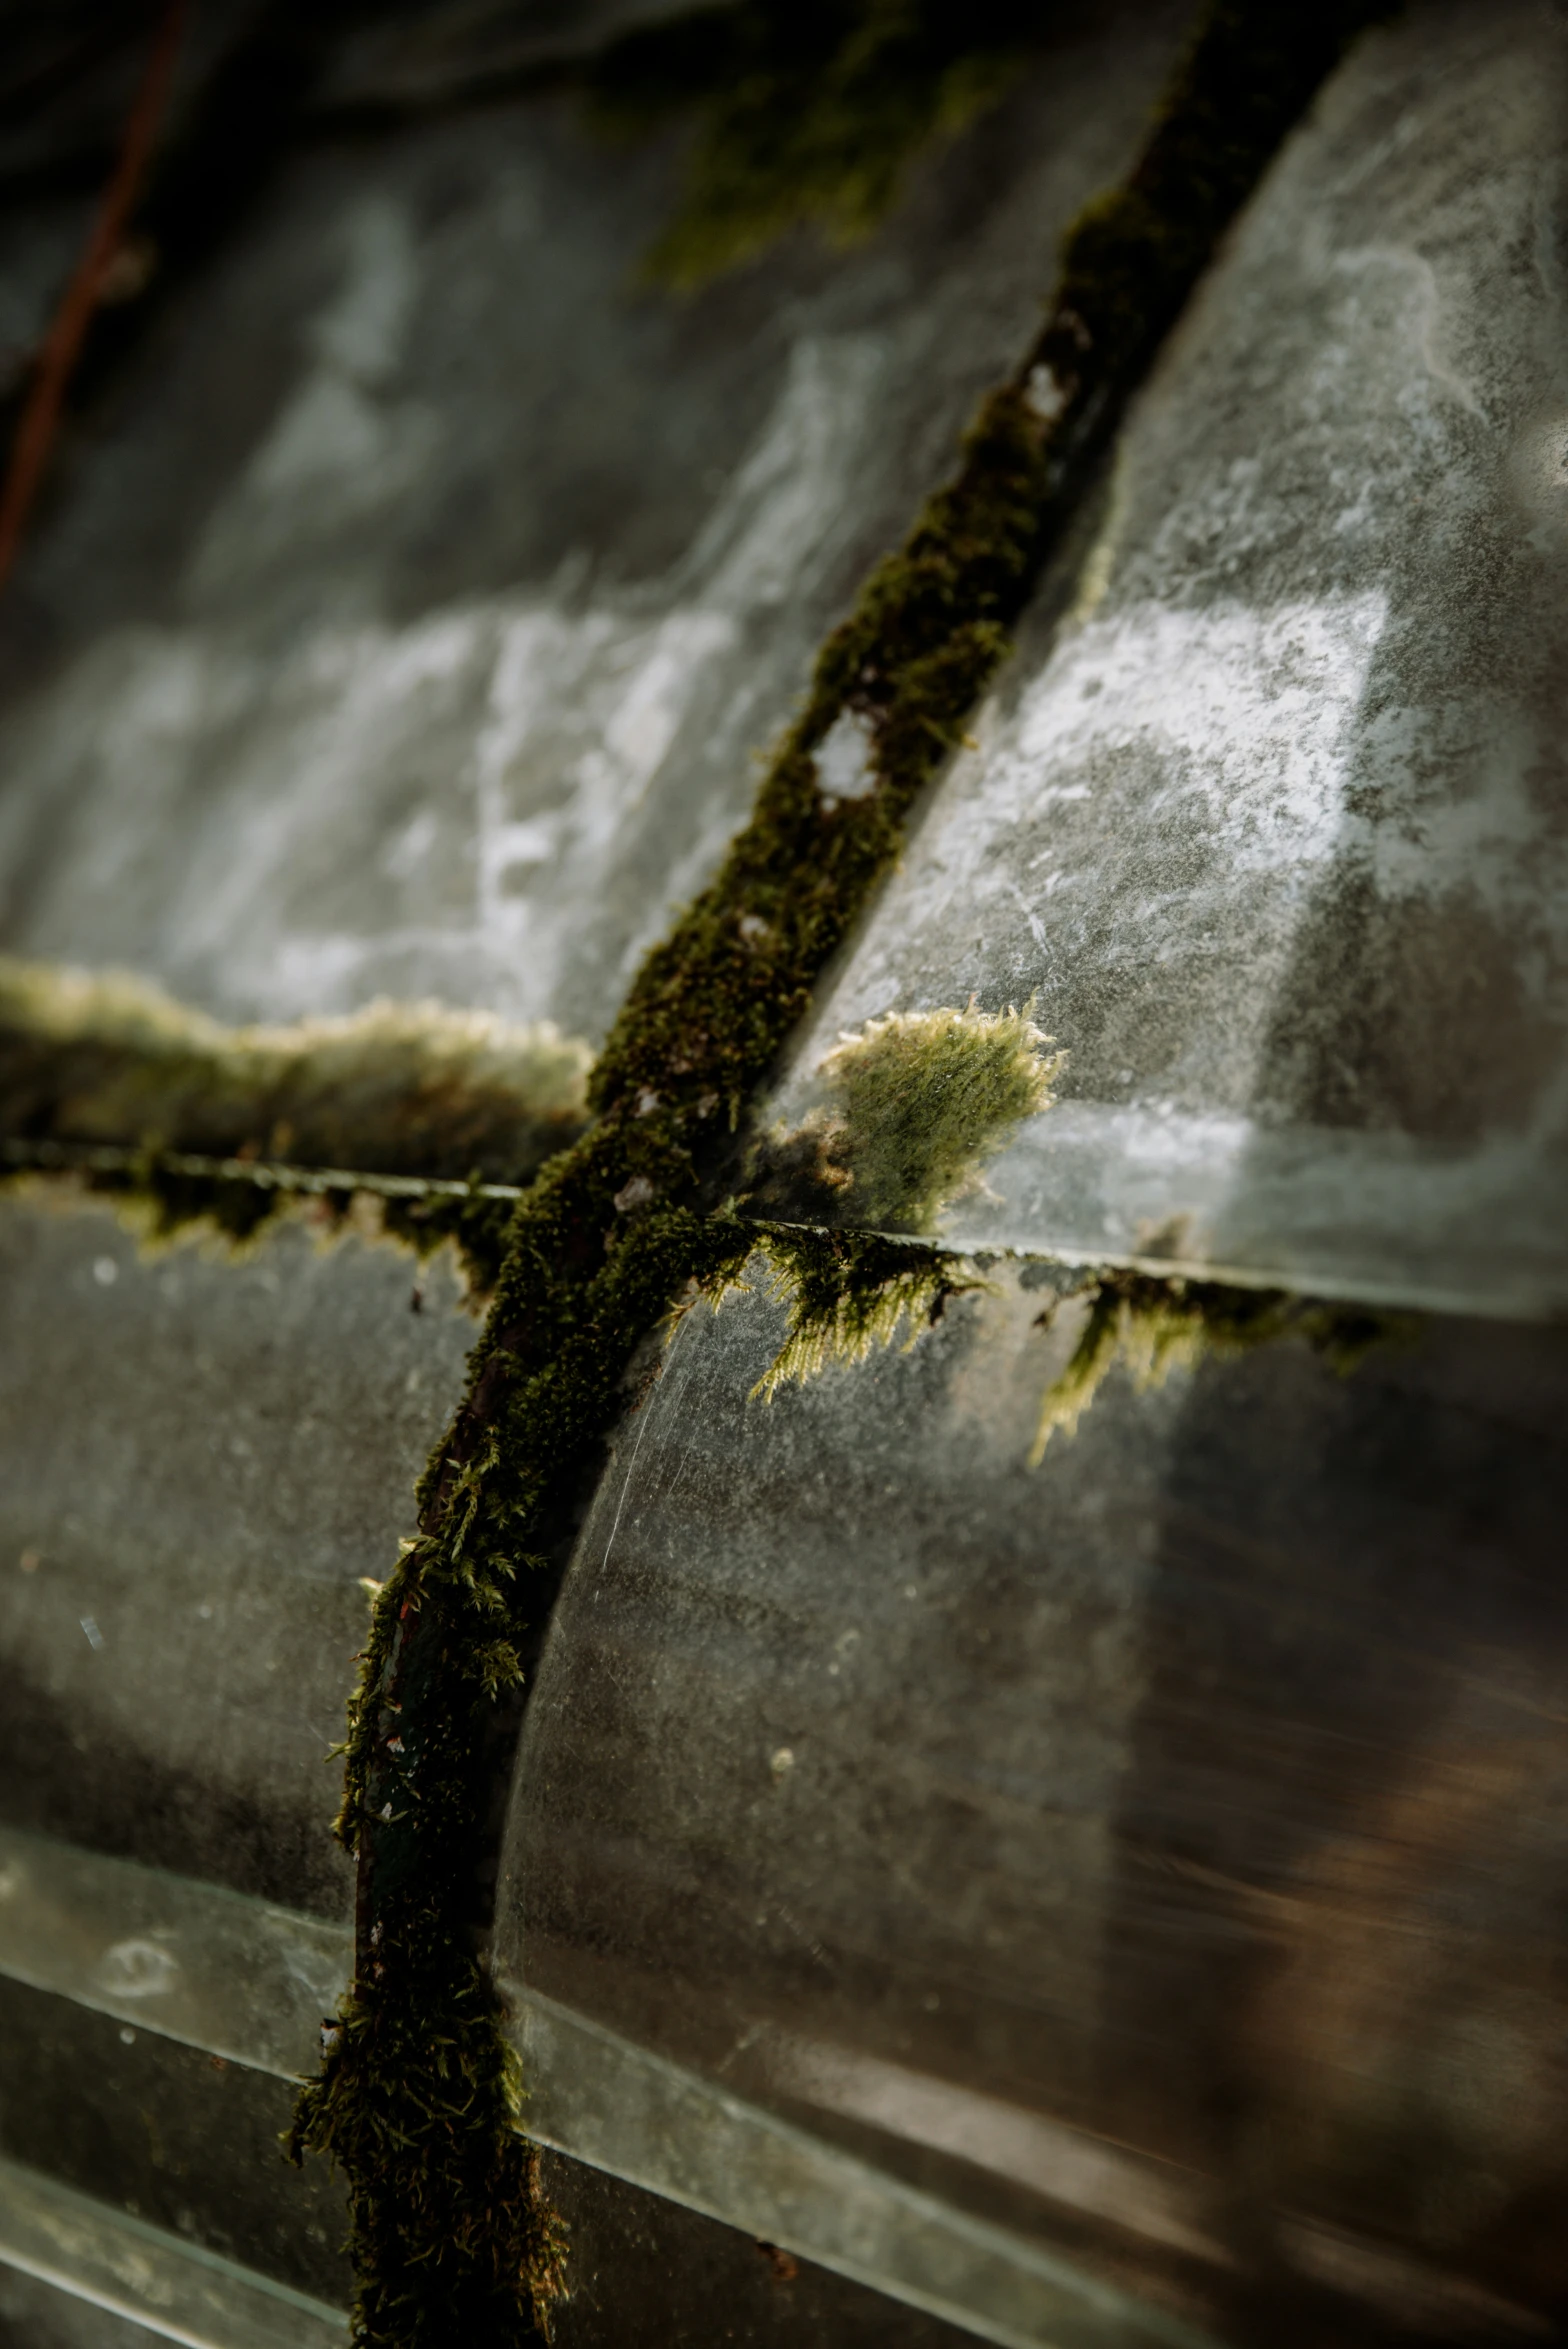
{"x":36,"y":2315}
{"x":163,"y":2136}
{"x":1133,"y":1853}
{"x":411,"y":623}
{"x":201,"y":1459}
{"x":1267,"y":817}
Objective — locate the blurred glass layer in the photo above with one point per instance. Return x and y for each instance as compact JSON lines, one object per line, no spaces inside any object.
{"x":1268,"y":815}
{"x":410,"y":620}
{"x":1159,"y":1857}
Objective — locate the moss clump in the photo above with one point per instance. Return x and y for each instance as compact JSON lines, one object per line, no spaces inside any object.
{"x":807,"y":110}
{"x":917,"y":1103}
{"x":476,"y":2255}
{"x":395,"y":1088}
{"x":1154,"y":1326}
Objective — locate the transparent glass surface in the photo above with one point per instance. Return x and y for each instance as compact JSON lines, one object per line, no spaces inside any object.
{"x":201,"y":1459}
{"x":182,"y":2143}
{"x":1158,"y":1855}
{"x":410,"y":623}
{"x":1267,"y":817}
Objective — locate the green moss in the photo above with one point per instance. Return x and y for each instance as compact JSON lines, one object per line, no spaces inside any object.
{"x":395,"y":1088}
{"x":712,"y":1007}
{"x":168,"y":1198}
{"x":620,"y":1229}
{"x":917,"y":1103}
{"x":193,"y":1128}
{"x":585,"y":1277}
{"x":476,"y":1228}
{"x":806,"y":110}
{"x":475,"y":2254}
{"x":1150,"y":1327}
{"x":848,"y":1293}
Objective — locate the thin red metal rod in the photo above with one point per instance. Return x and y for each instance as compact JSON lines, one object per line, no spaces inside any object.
{"x":40,"y":418}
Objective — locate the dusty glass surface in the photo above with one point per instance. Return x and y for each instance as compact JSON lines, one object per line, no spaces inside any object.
{"x":1159,"y":1854}
{"x":415,"y":53}
{"x":410,"y":623}
{"x":1269,"y":820}
{"x":200,"y":1460}
{"x":240,"y":1978}
{"x":646,"y":2271}
{"x":167,"y":2137}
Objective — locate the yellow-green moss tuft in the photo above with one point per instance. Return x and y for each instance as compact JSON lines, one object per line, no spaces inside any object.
{"x":1150,"y":1327}
{"x":847,"y":1294}
{"x":918,"y":1102}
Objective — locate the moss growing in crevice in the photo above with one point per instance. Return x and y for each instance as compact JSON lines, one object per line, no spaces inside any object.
{"x":397,"y":1088}
{"x":164,"y":1198}
{"x":476,"y":2255}
{"x":193,"y":1128}
{"x":414,"y":2098}
{"x":917,"y":1102}
{"x":711,"y":1007}
{"x":1150,"y":1327}
{"x":849,"y":1293}
{"x":621,"y":1227}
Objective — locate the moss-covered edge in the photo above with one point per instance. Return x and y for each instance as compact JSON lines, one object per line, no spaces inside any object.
{"x":1151,"y":1324}
{"x":166,"y":1197}
{"x":190,"y":1126}
{"x":418,"y":2095}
